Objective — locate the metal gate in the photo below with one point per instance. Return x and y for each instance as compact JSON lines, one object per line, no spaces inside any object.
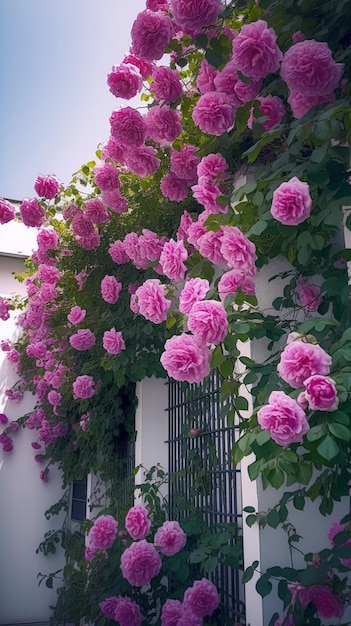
{"x":201,"y":474}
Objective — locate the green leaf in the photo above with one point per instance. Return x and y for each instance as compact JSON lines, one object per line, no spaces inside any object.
{"x":251,"y":520}
{"x":258,"y":228}
{"x":248,"y":574}
{"x":299,"y":502}
{"x":226,"y":368}
{"x":273,"y":518}
{"x":263,"y":586}
{"x":241,"y":403}
{"x":49,"y":582}
{"x":340,"y":431}
{"x":328,"y":448}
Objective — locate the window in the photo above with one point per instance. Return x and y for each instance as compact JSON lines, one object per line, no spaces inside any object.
{"x":78,"y":511}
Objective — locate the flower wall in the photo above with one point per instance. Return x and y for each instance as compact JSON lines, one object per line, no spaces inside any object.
{"x":237,"y":158}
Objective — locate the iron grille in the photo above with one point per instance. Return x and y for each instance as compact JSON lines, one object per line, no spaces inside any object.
{"x":201,"y":475}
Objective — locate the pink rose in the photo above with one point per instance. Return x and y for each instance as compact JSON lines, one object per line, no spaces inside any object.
{"x":150,"y":245}
{"x":292,"y":203}
{"x":127,"y":612}
{"x":334,"y":530}
{"x":300,"y":360}
{"x":195,"y":289}
{"x":95,"y":211}
{"x":81,"y":226}
{"x":108,"y":607}
{"x":54,"y":398}
{"x":272,"y":108}
{"x":255,"y":50}
{"x":115,"y":201}
{"x":184,"y":162}
{"x":231,"y":281}
{"x":163,"y":124}
{"x":32,"y":213}
{"x":207,"y":194}
{"x":7,"y":211}
{"x":202,"y":598}
{"x":166,"y":85}
{"x":144,"y":67}
{"x":195,"y":14}
{"x":170,"y":538}
{"x":122,"y":610}
{"x":151,"y":300}
{"x":174,"y":188}
{"x":47,"y":187}
{"x":184,"y":225}
{"x":157,"y":5}
{"x":326,"y":603}
{"x":174,"y":613}
{"x":320,"y":393}
{"x":106,"y":177}
{"x":309,"y":295}
{"x":212,"y":166}
{"x":140,"y":563}
{"x":103,"y":532}
{"x":137,"y":522}
{"x":47,"y":239}
{"x":4,"y":309}
{"x":125,"y":81}
{"x":113,"y":341}
{"x":283,"y":418}
{"x":142,"y":160}
{"x":208,"y":321}
{"x":300,"y":105}
{"x":214,"y":113}
{"x":132,"y":249}
{"x":205,"y":79}
{"x":128,"y":127}
{"x":309,"y":68}
{"x":238,"y":250}
{"x":110,"y":289}
{"x":151,"y":32}
{"x":76,"y":315}
{"x":83,"y":339}
{"x":118,"y":253}
{"x":186,"y":359}
{"x":228,"y":82}
{"x":83,"y":387}
{"x":113,"y":149}
{"x":172,"y":259}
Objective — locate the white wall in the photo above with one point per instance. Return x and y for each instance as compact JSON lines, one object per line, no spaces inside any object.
{"x":23,"y":497}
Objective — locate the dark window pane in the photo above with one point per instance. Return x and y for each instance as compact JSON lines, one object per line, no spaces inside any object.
{"x":78,"y":511}
{"x":80,"y":489}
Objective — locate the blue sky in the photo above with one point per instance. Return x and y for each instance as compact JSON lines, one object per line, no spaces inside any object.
{"x":55,"y":104}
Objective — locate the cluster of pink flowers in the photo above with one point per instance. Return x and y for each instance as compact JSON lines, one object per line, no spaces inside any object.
{"x":321,"y":596}
{"x":303,"y":363}
{"x":199,"y":601}
{"x":170,"y":538}
{"x":336,"y":528}
{"x":47,"y":187}
{"x":123,"y":610}
{"x":4,"y":309}
{"x":301,"y":359}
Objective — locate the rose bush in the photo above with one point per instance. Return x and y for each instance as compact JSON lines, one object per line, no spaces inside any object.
{"x":175,"y":227}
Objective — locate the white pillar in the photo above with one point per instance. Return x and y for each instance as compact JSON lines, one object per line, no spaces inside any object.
{"x":151,"y":425}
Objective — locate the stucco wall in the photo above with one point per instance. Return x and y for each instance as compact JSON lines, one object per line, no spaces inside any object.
{"x":23,"y":497}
